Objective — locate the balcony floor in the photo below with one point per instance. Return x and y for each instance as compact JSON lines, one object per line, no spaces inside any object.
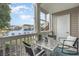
{"x":58,"y":52}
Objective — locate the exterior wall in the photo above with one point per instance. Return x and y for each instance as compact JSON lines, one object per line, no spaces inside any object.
{"x":78,"y":24}
{"x":74,"y":20}
{"x":74,"y":24}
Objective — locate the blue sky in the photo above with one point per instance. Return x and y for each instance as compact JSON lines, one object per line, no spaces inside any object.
{"x":22,"y":13}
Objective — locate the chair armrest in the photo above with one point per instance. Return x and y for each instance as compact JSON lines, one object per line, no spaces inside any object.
{"x":72,"y":41}
{"x":69,"y":40}
{"x":62,"y":38}
{"x":67,"y":44}
{"x":27,"y":46}
{"x":41,"y":52}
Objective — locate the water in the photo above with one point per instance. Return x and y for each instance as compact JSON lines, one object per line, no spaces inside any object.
{"x":18,"y":32}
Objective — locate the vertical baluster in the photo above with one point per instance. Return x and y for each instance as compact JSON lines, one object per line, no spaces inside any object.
{"x":24,"y":39}
{"x":33,"y":39}
{"x":10,"y":47}
{"x":1,"y":48}
{"x":24,"y":52}
{"x":16,"y":48}
{"x":23,"y":47}
{"x":20,"y":47}
{"x":0,"y":43}
{"x":34,"y":43}
{"x":3,"y":43}
{"x":29,"y":39}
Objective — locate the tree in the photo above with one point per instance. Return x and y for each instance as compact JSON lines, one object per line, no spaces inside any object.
{"x":4,"y":16}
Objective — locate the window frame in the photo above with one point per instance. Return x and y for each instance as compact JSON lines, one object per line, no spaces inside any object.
{"x":45,"y":12}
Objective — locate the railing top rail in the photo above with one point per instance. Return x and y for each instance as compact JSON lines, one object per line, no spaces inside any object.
{"x":22,"y":36}
{"x":17,"y":36}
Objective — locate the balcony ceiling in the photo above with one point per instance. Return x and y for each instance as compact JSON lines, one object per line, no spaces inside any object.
{"x":57,"y":7}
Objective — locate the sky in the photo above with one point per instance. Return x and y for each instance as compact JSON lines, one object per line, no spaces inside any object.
{"x":21,"y":13}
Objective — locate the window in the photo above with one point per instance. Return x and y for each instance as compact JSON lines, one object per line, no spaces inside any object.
{"x":42,"y":15}
{"x":44,"y":21}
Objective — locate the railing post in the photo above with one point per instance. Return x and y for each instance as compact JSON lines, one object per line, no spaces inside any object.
{"x":37,"y":19}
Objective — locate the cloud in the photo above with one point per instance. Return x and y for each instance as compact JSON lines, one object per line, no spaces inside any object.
{"x":14,"y":9}
{"x":25,"y":17}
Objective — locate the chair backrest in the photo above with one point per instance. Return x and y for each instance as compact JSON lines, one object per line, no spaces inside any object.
{"x":76,"y":42}
{"x":28,"y":49}
{"x":71,"y":38}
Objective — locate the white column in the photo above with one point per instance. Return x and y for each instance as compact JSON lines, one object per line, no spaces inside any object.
{"x":50,"y":23}
{"x":37,"y":20}
{"x":37,"y":17}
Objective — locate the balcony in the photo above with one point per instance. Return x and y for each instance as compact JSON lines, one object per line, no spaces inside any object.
{"x":13,"y":45}
{"x":46,"y":35}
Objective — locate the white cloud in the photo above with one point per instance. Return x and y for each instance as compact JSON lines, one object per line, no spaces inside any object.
{"x":14,"y":9}
{"x":25,"y":17}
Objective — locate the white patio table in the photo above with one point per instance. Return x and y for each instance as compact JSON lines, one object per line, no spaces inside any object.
{"x":50,"y":46}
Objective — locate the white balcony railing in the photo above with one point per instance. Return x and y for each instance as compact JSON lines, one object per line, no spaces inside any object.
{"x":13,"y":45}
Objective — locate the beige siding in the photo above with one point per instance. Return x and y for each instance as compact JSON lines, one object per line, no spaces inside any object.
{"x":74,"y":24}
{"x":74,"y":20}
{"x":78,"y":24}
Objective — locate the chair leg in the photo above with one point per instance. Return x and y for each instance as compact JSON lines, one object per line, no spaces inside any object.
{"x":77,"y":47}
{"x":63,"y":46}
